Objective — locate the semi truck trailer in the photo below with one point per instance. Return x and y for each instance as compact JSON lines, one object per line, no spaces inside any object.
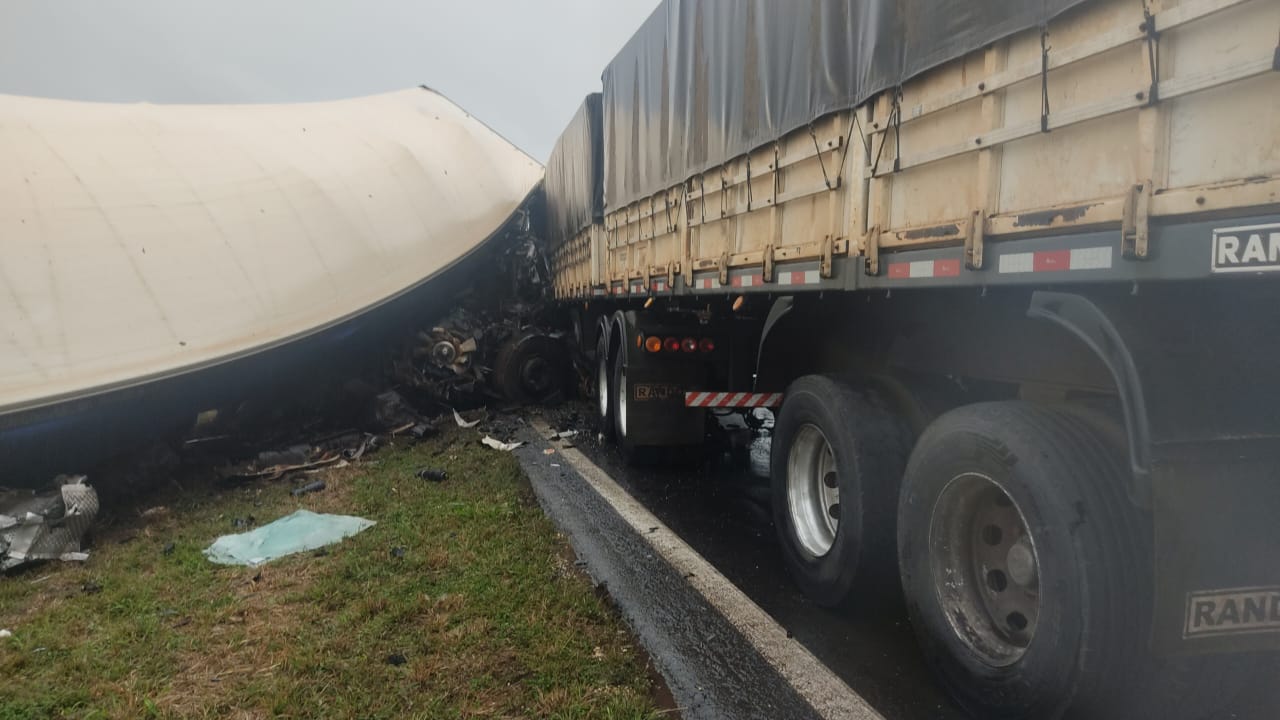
{"x":1007,"y":275}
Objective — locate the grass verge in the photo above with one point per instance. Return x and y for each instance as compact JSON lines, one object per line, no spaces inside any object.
{"x":461,"y":602}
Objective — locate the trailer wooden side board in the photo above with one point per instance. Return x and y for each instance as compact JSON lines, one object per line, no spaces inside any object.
{"x":1119,"y":143}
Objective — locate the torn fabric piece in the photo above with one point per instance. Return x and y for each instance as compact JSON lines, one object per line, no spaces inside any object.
{"x":294,"y":533}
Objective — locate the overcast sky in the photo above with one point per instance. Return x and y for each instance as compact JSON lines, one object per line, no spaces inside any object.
{"x":522,"y":66}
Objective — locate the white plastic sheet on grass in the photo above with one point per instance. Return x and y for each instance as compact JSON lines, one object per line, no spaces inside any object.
{"x":299,"y":532}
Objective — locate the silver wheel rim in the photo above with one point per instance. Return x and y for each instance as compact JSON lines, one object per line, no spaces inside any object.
{"x":813,"y":490}
{"x":622,"y":401}
{"x":602,"y":386}
{"x":985,"y":568}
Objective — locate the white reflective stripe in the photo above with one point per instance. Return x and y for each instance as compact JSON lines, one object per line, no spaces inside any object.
{"x":921,"y":269}
{"x":775,"y":400}
{"x":1017,"y":263}
{"x":812,"y":277}
{"x":1094,"y":258}
{"x":715,"y":402}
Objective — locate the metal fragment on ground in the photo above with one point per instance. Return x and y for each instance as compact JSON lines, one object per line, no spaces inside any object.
{"x":45,"y":526}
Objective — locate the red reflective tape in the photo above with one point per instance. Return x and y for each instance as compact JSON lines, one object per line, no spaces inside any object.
{"x":797,"y":277}
{"x":737,"y":399}
{"x":946,"y":268}
{"x":899,"y":270}
{"x":1051,"y":261}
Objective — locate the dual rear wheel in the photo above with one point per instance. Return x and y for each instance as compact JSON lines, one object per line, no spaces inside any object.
{"x":1026,"y":569}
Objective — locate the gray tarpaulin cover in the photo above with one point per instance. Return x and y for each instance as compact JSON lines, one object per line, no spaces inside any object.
{"x":706,"y":80}
{"x":573,"y":180}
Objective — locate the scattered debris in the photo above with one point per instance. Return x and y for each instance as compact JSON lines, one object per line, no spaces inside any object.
{"x":91,"y":588}
{"x":168,"y":548}
{"x":390,"y":410}
{"x":244,"y":522}
{"x":157,"y":511}
{"x":294,"y":533}
{"x":499,"y":445}
{"x":396,"y":659}
{"x":74,"y":557}
{"x":315,"y":486}
{"x":5,"y":633}
{"x":397,"y":552}
{"x":464,"y":423}
{"x":432,"y":474}
{"x":367,"y":444}
{"x":45,"y":526}
{"x":274,"y":464}
{"x":549,"y":451}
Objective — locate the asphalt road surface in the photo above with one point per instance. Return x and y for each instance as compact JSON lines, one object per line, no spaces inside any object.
{"x":720,"y":509}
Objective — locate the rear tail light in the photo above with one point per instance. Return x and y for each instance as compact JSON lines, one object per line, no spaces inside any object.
{"x":706,"y":344}
{"x":653,"y":344}
{"x":671,"y":344}
{"x":689,"y":345}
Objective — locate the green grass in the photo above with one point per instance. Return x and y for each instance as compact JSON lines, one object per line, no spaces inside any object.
{"x":485,"y":606}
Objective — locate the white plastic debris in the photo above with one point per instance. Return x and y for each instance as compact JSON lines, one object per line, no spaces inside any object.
{"x":74,"y":557}
{"x":5,"y":633}
{"x":499,"y":445}
{"x":463,"y":423}
{"x":294,"y":533}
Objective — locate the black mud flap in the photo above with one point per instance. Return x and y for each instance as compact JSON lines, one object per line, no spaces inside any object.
{"x":1218,"y":550}
{"x":656,"y":414}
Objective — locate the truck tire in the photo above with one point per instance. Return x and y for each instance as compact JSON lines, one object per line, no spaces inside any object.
{"x":1014,"y":526}
{"x":604,"y":385}
{"x":836,"y":461}
{"x":631,"y":453}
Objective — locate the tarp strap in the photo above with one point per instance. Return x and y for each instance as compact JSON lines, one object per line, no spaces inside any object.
{"x":897,"y":128}
{"x":813,"y":134}
{"x":1044,"y":78}
{"x":1153,"y":53}
{"x":895,"y":115}
{"x":702,"y":181}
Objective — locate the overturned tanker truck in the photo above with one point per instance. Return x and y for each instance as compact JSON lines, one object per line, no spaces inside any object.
{"x":163,"y":261}
{"x":1007,"y":273}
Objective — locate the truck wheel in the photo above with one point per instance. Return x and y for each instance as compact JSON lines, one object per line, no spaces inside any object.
{"x":621,"y":391}
{"x":836,"y":461}
{"x":604,"y":385}
{"x":1026,"y":569}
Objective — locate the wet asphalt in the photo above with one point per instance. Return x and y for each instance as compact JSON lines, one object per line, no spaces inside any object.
{"x":721,"y":510}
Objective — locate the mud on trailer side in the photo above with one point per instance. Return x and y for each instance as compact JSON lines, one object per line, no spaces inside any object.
{"x":1018,"y":318}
